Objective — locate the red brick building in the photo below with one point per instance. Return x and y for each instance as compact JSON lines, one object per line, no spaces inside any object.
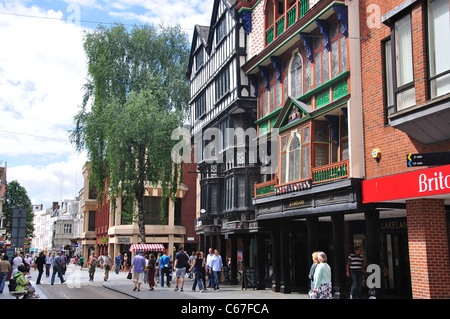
{"x":405,"y":67}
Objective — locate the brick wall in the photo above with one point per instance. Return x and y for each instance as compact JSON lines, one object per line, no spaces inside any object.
{"x":393,"y":143}
{"x":428,"y":248}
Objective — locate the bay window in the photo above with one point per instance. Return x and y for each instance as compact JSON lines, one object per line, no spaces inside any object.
{"x":439,"y":47}
{"x":295,"y":152}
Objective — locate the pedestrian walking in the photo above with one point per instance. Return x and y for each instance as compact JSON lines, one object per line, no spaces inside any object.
{"x":322,"y":278}
{"x":17,"y":261}
{"x":151,"y":269}
{"x":164,"y":269}
{"x":57,"y":268}
{"x":92,"y":263}
{"x":125,"y":262}
{"x":203,"y":270}
{"x":181,"y":262}
{"x":40,"y":262}
{"x":312,"y":270}
{"x":157,"y":272}
{"x":216,"y":268}
{"x":191,"y":260}
{"x":48,"y":264}
{"x":138,"y":264}
{"x":145,"y":269}
{"x":196,"y":269}
{"x":117,"y":262}
{"x":208,"y":268}
{"x":355,"y":270}
{"x":63,"y":263}
{"x":27,"y":260}
{"x":81,"y":262}
{"x":5,"y":269}
{"x":107,"y":263}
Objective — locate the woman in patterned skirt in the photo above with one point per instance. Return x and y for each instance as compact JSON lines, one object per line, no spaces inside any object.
{"x":322,"y":278}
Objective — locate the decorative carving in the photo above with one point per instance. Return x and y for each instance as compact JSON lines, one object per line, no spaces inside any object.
{"x":277,"y":65}
{"x":307,"y":41}
{"x":265,"y":74}
{"x":324,"y":27}
{"x":342,"y":15}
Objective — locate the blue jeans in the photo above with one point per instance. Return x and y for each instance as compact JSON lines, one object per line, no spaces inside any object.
{"x":57,"y":269}
{"x":198,"y":278}
{"x":217,"y":275}
{"x":3,"y":276}
{"x":210,"y":278}
{"x":357,"y":277}
{"x":117,"y":268}
{"x":165,"y":271}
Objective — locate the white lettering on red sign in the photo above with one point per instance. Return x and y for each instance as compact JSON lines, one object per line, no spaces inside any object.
{"x":438,"y":182}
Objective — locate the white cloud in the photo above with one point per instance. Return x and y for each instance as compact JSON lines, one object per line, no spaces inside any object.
{"x":53,"y":182}
{"x":42,"y":71}
{"x":41,"y":76}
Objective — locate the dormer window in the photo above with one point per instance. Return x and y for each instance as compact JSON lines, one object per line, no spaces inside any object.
{"x":199,"y":59}
{"x":221,"y":30}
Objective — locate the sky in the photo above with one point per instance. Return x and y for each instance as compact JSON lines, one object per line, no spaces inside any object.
{"x":42,"y":71}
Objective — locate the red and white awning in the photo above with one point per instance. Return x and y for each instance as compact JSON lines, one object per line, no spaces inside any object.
{"x":147,"y":247}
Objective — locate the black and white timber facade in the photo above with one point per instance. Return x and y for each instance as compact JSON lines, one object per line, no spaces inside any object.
{"x":222,"y":98}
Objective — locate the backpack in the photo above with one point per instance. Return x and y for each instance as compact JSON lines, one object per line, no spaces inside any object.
{"x":12,"y":286}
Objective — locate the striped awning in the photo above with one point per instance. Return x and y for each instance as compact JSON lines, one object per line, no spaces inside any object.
{"x":147,"y":247}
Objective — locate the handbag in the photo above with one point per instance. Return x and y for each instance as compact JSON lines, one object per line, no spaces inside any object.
{"x":313,"y":294}
{"x":130,"y":275}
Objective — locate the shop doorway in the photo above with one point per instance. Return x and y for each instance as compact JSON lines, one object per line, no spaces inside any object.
{"x":395,"y":263}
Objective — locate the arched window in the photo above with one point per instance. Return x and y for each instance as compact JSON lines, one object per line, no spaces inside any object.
{"x":294,"y":159}
{"x":296,"y":74}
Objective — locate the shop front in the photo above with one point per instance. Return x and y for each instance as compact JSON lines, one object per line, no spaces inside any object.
{"x":425,"y":195}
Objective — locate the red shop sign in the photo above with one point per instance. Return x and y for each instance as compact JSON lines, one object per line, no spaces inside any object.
{"x":425,"y":182}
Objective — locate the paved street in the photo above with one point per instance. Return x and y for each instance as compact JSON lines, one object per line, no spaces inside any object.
{"x":77,"y":286}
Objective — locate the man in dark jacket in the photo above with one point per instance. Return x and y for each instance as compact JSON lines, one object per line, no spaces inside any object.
{"x":40,"y":262}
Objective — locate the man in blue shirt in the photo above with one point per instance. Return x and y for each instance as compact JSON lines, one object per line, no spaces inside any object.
{"x":164,"y":269}
{"x":138,"y":270}
{"x":216,"y":268}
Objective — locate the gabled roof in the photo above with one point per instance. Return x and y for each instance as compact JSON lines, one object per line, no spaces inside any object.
{"x":201,"y":32}
{"x":206,"y":34}
{"x":292,"y":111}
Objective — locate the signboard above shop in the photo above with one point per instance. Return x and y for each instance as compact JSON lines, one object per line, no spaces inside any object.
{"x":420,"y":183}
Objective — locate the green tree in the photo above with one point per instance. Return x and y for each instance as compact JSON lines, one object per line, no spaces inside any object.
{"x":16,"y":196}
{"x":136,"y":94}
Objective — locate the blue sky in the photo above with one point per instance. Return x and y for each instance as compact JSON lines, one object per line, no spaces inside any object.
{"x":42,"y":70}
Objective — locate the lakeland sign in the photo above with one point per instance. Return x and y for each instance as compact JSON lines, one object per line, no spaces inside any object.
{"x":420,"y":183}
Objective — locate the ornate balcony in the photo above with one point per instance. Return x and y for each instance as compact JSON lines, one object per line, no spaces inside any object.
{"x":319,"y":175}
{"x":285,"y":20}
